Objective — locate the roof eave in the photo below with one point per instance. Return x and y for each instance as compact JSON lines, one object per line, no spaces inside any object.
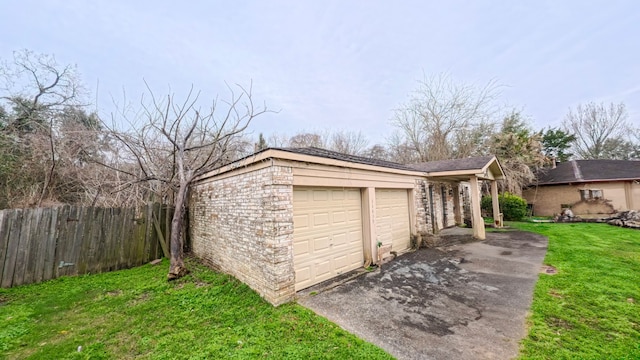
{"x":293,"y":156}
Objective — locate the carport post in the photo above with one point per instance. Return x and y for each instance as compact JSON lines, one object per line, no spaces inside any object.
{"x":497,"y":219}
{"x":477,"y":221}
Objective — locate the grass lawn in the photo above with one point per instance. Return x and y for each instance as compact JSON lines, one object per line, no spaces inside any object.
{"x":591,"y":308}
{"x":136,"y":313}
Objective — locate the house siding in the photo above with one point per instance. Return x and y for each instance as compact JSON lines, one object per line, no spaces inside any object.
{"x":243,"y":226}
{"x":617,"y":196}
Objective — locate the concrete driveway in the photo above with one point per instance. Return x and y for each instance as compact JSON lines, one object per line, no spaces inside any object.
{"x":465,"y":300}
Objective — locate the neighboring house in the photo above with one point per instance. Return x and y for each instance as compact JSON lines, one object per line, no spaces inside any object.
{"x":282,"y":220}
{"x":587,"y":187}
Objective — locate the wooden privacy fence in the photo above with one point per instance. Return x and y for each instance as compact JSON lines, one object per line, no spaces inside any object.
{"x":46,"y":243}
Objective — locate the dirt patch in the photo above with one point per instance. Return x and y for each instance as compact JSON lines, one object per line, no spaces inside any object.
{"x":140,"y":299}
{"x":559,"y":323}
{"x":114,"y":293}
{"x":548,"y":269}
{"x":555,"y":294}
{"x":506,"y":253}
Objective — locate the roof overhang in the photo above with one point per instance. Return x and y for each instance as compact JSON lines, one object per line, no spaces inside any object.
{"x":492,"y":170}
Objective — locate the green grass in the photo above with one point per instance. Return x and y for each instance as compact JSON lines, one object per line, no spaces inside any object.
{"x":591,"y":308}
{"x":136,"y":313}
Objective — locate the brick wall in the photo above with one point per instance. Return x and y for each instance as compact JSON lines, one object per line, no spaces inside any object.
{"x":243,"y":225}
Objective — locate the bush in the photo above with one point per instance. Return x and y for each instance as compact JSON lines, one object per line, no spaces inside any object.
{"x":513,"y":207}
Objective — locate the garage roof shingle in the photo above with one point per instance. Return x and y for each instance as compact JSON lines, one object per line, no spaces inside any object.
{"x":471,"y":163}
{"x":313,"y":151}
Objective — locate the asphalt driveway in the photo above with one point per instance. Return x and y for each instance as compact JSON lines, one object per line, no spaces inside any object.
{"x":465,"y":300}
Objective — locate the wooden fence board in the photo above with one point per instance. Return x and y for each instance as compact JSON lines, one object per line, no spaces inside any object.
{"x":31,"y":257}
{"x":62,"y":234}
{"x":101,"y":248}
{"x":23,"y":250}
{"x":107,"y":263}
{"x":41,"y":244}
{"x":74,"y":227}
{"x":4,"y":238}
{"x":50,"y":249}
{"x":13,"y":239}
{"x":122,"y":235}
{"x":22,"y":257}
{"x":93,"y":261}
{"x":77,"y":222}
{"x":139,"y":240}
{"x":84,"y":249}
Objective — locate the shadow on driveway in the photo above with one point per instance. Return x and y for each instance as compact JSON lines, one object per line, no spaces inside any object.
{"x":465,"y":300}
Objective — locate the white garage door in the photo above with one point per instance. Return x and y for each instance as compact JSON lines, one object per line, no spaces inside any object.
{"x":327,"y":233}
{"x":392,"y":219}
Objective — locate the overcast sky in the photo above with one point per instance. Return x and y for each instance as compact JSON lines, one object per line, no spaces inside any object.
{"x":341,"y":64}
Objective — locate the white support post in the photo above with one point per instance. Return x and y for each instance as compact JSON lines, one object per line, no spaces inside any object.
{"x":476,"y":215}
{"x":497,"y":216}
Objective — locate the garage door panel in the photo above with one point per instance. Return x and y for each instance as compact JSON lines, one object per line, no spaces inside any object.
{"x":303,"y":274}
{"x":337,"y":194}
{"x":320,"y":219}
{"x":300,"y":247}
{"x":339,"y":217}
{"x":392,"y":218}
{"x":355,"y":216}
{"x":341,"y":262}
{"x":320,"y":244}
{"x":331,"y":242}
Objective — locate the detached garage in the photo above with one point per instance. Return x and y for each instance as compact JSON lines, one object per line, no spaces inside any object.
{"x":282,"y":220}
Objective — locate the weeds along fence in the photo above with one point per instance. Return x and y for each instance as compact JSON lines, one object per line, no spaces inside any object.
{"x":46,"y":243}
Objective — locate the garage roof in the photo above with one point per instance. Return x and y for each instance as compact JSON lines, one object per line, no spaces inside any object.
{"x":458,"y":169}
{"x":314,"y":151}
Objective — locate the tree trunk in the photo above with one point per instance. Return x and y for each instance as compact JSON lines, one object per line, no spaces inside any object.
{"x":177,"y":268}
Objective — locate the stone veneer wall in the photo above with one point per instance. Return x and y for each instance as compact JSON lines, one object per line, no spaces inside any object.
{"x":243,"y":226}
{"x":421,"y":204}
{"x":437,"y":205}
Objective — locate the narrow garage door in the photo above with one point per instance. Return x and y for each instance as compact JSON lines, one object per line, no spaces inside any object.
{"x":327,"y":233}
{"x":392,"y":219}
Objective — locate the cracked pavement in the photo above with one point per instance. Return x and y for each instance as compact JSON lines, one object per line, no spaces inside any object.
{"x":465,"y":300}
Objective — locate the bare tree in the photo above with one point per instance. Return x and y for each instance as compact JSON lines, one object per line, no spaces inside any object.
{"x":177,"y":141}
{"x":278,"y":140}
{"x":348,"y":142}
{"x":401,"y":150}
{"x":376,"y":151}
{"x":36,"y":88}
{"x":444,"y":119}
{"x":601,"y":130}
{"x":308,"y":139}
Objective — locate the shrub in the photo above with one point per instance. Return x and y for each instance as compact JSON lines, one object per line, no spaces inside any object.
{"x":513,"y":207}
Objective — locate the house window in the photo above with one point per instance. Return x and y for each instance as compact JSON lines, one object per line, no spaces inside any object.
{"x":590,"y":194}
